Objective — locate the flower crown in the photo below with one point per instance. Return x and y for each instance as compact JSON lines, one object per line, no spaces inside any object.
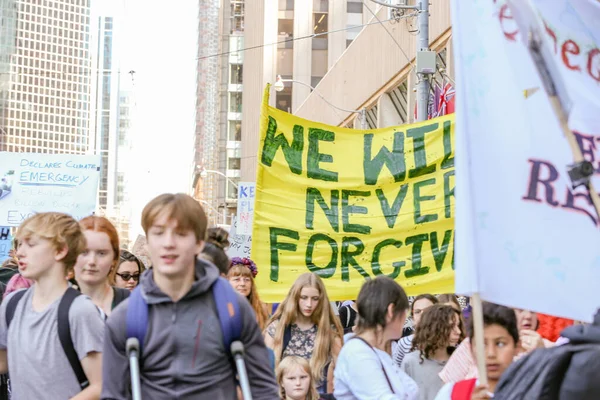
{"x":246,"y":262}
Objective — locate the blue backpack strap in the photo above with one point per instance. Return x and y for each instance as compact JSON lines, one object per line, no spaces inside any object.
{"x":137,"y":317}
{"x":228,"y":311}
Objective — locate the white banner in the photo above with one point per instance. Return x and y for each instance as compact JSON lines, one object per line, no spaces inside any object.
{"x":34,"y":182}
{"x":245,"y":209}
{"x":524,"y":237}
{"x":239,"y":245}
{"x":5,"y":242}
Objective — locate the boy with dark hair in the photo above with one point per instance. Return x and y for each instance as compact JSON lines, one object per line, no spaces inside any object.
{"x":52,"y":335}
{"x":183,"y":350}
{"x":501,"y":339}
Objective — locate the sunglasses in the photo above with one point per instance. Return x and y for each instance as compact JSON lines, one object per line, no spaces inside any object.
{"x":127,"y":276}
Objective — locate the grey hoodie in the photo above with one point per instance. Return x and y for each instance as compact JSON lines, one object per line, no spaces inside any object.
{"x":183,"y":355}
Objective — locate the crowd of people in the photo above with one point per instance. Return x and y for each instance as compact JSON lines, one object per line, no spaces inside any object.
{"x":72,"y":300}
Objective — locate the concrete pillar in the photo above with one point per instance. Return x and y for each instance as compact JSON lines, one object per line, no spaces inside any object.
{"x":303,"y":26}
{"x":337,"y":40}
{"x":259,"y":69}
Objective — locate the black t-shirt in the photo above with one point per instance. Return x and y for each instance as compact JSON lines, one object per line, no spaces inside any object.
{"x":119,"y":295}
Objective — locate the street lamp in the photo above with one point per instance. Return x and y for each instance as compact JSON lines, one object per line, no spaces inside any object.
{"x":279,"y":85}
{"x":204,"y":173}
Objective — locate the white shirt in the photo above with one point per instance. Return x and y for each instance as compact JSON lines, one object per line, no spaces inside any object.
{"x":359,"y":375}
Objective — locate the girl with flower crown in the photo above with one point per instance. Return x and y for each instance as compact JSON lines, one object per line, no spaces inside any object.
{"x":241,"y":276}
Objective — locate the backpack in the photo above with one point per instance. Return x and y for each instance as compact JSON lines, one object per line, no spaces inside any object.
{"x":540,"y":374}
{"x":64,"y":329}
{"x":228,"y":311}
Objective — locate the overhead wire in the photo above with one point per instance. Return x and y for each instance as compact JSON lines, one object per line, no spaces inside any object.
{"x":390,"y":33}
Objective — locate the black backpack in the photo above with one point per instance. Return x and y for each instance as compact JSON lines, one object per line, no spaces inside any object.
{"x":566,"y":372}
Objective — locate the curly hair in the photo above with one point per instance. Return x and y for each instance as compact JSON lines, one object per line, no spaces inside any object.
{"x":433,"y":332}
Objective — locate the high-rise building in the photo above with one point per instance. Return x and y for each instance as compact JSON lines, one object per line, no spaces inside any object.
{"x":105,"y":107}
{"x":219,"y":107}
{"x":112,"y":108}
{"x":45,"y":76}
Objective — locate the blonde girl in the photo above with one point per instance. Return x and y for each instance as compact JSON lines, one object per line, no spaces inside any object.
{"x":241,"y":276}
{"x":295,"y":379}
{"x":305,"y":325}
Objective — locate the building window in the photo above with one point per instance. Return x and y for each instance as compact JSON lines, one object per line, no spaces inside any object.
{"x":321,"y":5}
{"x":283,"y":99}
{"x":320,"y":24}
{"x":285,"y":32}
{"x":232,"y":192}
{"x":237,"y":77}
{"x":287,"y":5}
{"x":235,"y":131}
{"x":235,"y":102}
{"x":354,"y":7}
{"x":234,"y":163}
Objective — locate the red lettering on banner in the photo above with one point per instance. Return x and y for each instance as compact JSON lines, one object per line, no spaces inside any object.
{"x":504,"y":16}
{"x":594,"y":54}
{"x":551,"y":33}
{"x":570,"y":47}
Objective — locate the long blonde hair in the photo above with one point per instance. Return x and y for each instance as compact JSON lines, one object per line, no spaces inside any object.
{"x":257,"y":305}
{"x":323,"y":317}
{"x":286,"y":365}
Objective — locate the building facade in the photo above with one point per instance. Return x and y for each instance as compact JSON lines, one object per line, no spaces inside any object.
{"x":371,"y":70}
{"x":219,"y":108}
{"x":311,"y":37}
{"x":45,"y":76}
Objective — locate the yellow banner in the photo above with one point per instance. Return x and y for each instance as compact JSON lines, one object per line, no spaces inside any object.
{"x":349,"y":205}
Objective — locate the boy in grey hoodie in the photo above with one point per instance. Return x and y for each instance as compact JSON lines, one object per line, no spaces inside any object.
{"x":183,"y":353}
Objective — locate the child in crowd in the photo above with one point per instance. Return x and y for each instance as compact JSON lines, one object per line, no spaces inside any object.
{"x":438,"y":333}
{"x":501,"y":341}
{"x":418,"y":306}
{"x":98,"y":262}
{"x":183,"y":352}
{"x":49,"y":244}
{"x":304,"y":325}
{"x":295,"y":379}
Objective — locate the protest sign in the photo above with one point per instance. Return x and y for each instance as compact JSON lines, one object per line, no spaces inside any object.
{"x":526,"y":237}
{"x":350,"y":205}
{"x":245,"y":208}
{"x":5,"y":242}
{"x":239,"y":245}
{"x":35,"y":182}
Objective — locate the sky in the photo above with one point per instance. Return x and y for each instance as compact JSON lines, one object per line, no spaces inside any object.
{"x":160,"y":45}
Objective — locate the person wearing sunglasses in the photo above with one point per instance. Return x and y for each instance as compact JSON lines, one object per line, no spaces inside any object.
{"x":127,"y":274}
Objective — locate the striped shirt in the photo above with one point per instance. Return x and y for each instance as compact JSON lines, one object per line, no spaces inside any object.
{"x":403,"y":348}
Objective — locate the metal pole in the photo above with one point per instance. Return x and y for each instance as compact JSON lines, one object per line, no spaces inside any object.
{"x":422,"y":45}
